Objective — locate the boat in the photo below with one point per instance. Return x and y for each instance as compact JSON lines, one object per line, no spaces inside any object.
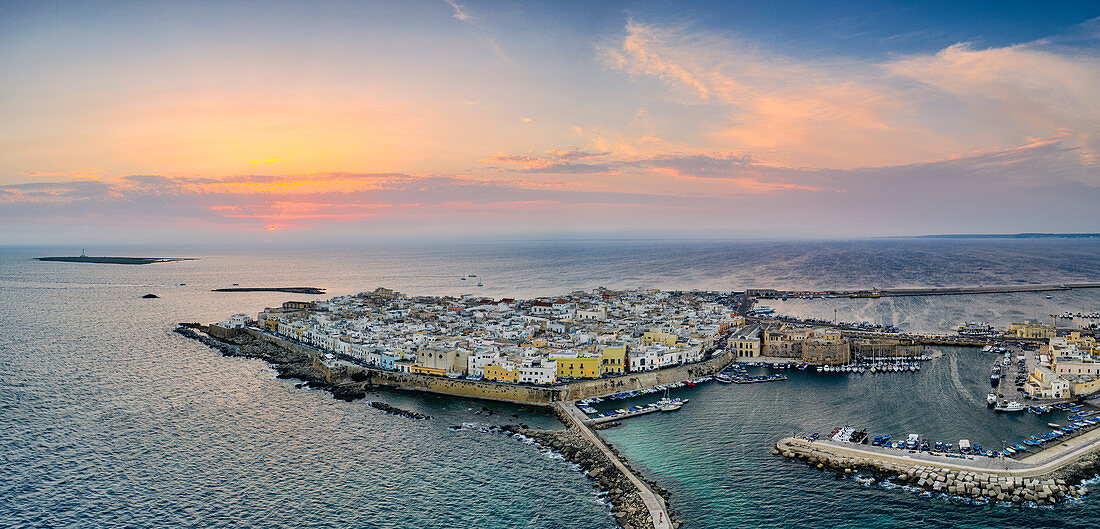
{"x":977,"y":329}
{"x":1053,"y":425}
{"x":964,"y":446}
{"x":670,"y":404}
{"x":723,"y":378}
{"x":912,"y":442}
{"x":462,"y":278}
{"x":479,"y":284}
{"x":1050,"y":296}
{"x":1011,"y":406}
{"x":991,"y":399}
{"x":995,"y":378}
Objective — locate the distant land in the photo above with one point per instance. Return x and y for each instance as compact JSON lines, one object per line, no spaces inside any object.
{"x":116,"y":260}
{"x":1009,"y":236}
{"x":291,"y":290}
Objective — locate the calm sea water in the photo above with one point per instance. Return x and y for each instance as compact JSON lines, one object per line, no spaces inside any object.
{"x":108,"y":419}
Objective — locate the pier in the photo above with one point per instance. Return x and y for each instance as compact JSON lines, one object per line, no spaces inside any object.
{"x":654,"y":503}
{"x":923,"y":291}
{"x":1043,"y":478}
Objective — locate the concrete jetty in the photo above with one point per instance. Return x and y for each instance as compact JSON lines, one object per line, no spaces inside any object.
{"x":1047,"y":477}
{"x":654,"y":503}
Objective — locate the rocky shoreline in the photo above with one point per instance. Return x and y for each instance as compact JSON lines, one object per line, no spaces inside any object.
{"x":629,"y":510}
{"x":292,"y":365}
{"x":626,"y":504}
{"x":1049,"y":489}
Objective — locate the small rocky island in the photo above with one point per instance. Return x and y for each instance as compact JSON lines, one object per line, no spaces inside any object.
{"x":115,"y":260}
{"x":291,"y":290}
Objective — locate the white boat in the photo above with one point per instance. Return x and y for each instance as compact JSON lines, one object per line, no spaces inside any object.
{"x":1011,"y":406}
{"x":1054,"y":425}
{"x":723,"y":378}
{"x":991,"y":399}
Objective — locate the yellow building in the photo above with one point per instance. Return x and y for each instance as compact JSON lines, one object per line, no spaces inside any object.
{"x":613,"y":360}
{"x":503,"y":372}
{"x":658,"y":338}
{"x":421,"y":370}
{"x":579,"y":367}
{"x":827,"y":333}
{"x":1082,"y":385}
{"x":1031,"y":329}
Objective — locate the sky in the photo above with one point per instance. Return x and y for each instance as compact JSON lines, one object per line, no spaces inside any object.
{"x":359,"y":120}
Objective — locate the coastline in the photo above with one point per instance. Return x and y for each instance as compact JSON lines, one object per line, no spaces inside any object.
{"x":633,"y":498}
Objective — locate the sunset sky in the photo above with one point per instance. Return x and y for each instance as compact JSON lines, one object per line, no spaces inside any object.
{"x":288,"y":121}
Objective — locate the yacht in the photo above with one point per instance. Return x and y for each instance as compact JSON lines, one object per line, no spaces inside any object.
{"x":1011,"y":406}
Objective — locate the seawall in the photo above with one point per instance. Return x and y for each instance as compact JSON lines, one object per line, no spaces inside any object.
{"x":1050,"y":481}
{"x":498,"y":391}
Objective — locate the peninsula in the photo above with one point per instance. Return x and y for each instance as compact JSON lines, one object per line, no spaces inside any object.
{"x":573,"y":351}
{"x":115,"y":260}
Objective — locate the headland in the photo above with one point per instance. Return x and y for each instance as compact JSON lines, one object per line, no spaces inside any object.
{"x":572,"y":351}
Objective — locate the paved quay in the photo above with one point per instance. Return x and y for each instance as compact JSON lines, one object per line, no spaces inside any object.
{"x":658,"y":510}
{"x":1044,"y":462}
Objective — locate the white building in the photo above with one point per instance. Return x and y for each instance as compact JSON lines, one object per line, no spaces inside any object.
{"x":537,"y":372}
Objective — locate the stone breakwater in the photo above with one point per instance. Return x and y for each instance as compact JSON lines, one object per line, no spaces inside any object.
{"x":629,"y":510}
{"x":393,"y":410}
{"x":1042,"y":489}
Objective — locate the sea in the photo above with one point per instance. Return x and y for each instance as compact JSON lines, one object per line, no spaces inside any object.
{"x":109,"y":419}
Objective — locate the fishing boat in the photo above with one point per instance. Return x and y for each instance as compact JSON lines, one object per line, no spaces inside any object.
{"x":1011,"y":406}
{"x":723,"y":378}
{"x":991,"y":399}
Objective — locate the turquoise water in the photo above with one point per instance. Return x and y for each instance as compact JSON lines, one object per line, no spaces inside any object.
{"x":108,"y":419}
